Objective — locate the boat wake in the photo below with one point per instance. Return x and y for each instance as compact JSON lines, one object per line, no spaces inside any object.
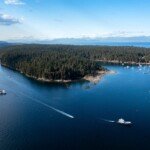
{"x":62,"y":112}
{"x":119,"y":121}
{"x":48,"y":106}
{"x":42,"y":103}
{"x":55,"y":109}
{"x":106,"y":120}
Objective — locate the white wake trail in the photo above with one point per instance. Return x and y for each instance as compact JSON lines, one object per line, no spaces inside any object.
{"x":48,"y":106}
{"x":57,"y":110}
{"x":111,"y":121}
{"x":62,"y":112}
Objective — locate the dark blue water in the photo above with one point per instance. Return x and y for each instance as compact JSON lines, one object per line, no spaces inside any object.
{"x":27,"y":123}
{"x":136,"y":44}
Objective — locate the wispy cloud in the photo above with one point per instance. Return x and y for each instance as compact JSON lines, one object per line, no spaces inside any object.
{"x":9,"y":20}
{"x":125,"y":34}
{"x":14,"y":2}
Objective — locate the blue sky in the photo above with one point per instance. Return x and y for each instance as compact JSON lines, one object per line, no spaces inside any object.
{"x":50,"y":19}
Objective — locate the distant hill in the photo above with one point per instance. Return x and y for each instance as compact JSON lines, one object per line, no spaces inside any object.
{"x":99,"y":41}
{"x":4,"y":44}
{"x":140,"y":41}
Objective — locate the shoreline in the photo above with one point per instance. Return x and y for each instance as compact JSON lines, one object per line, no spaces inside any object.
{"x":90,"y":78}
{"x":98,"y":77}
{"x":124,"y":63}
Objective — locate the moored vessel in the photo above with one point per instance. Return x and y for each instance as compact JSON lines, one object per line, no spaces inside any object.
{"x":2,"y":92}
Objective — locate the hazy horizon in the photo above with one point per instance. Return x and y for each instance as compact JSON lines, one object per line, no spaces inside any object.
{"x":57,"y":19}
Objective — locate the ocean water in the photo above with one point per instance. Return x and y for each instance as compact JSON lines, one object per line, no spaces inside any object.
{"x":136,"y":44}
{"x":41,"y":116}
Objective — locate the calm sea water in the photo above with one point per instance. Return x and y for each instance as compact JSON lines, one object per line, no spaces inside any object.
{"x":28,"y":123}
{"x":136,"y":44}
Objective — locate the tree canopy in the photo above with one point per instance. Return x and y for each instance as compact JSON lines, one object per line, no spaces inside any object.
{"x":67,"y":62}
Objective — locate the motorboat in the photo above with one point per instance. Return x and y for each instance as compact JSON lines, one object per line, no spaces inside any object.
{"x":123,"y":122}
{"x":2,"y":92}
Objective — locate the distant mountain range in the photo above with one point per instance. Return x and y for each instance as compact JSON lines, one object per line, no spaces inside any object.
{"x":84,"y":40}
{"x":3,"y":44}
{"x":142,"y":41}
{"x":97,"y":41}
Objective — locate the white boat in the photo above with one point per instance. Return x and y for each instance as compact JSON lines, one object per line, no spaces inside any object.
{"x":140,"y":65}
{"x":2,"y":92}
{"x":123,"y":122}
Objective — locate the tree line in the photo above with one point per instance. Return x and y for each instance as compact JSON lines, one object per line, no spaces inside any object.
{"x":67,"y":62}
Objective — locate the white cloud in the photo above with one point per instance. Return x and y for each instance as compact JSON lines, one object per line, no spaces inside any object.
{"x":14,"y":2}
{"x":9,"y":20}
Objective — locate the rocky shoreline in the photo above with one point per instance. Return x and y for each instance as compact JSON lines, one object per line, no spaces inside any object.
{"x":98,"y":77}
{"x":91,"y":78}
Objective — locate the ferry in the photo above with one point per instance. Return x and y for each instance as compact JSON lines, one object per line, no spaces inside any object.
{"x":2,"y":92}
{"x":123,"y":122}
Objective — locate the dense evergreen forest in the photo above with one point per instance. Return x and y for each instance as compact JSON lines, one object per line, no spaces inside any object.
{"x":67,"y":62}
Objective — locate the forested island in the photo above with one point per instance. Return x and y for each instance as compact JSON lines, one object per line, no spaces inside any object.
{"x":68,"y":62}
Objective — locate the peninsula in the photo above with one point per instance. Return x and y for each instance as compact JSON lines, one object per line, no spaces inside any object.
{"x":67,"y":63}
